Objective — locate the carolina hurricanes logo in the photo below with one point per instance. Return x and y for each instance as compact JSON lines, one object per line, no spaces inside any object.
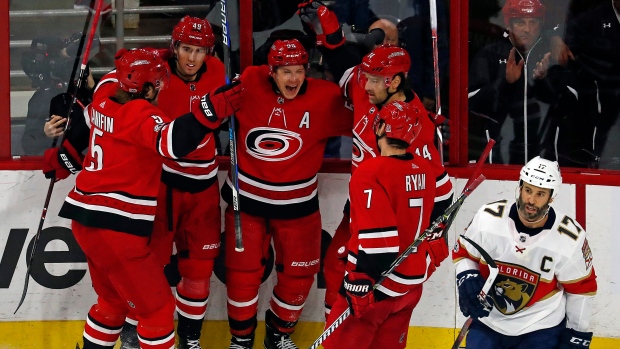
{"x":361,"y":149}
{"x":272,"y":144}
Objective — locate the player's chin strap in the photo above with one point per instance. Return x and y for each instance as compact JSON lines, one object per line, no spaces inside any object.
{"x":482,"y":296}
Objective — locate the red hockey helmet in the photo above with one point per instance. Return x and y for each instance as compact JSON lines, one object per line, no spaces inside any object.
{"x":523,"y":9}
{"x":386,"y":60}
{"x":287,"y":52}
{"x":193,"y":31}
{"x":138,"y":67}
{"x":402,"y":121}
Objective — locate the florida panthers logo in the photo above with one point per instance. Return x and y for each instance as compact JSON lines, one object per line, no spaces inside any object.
{"x":272,"y":144}
{"x":514,"y":288}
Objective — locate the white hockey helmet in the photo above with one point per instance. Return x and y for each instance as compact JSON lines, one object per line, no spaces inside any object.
{"x":542,"y":173}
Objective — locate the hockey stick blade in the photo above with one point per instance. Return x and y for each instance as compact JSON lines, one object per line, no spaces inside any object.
{"x":448,"y":214}
{"x":91,"y":36}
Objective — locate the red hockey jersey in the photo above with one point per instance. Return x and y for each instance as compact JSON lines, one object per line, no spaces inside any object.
{"x":118,"y":185}
{"x":280,"y":144}
{"x":364,"y":140}
{"x":198,"y":170}
{"x":391,"y":203}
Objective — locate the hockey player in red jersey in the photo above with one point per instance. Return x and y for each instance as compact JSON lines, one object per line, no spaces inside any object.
{"x":392,"y":197}
{"x":380,"y":78}
{"x":195,"y":228}
{"x":283,"y":127}
{"x":188,"y":204}
{"x":113,"y":211}
{"x":542,"y":297}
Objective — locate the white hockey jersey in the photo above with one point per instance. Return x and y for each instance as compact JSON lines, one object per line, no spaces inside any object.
{"x":542,"y":277}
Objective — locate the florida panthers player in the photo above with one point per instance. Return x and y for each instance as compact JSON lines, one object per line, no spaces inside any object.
{"x":543,"y":293}
{"x":391,"y":201}
{"x":283,"y":127}
{"x":112,"y":213}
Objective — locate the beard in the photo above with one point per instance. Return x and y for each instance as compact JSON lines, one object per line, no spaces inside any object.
{"x":538,"y":214}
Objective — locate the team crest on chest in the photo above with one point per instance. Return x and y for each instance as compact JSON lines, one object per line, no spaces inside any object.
{"x":361,"y":149}
{"x":514,"y":286}
{"x":272,"y":144}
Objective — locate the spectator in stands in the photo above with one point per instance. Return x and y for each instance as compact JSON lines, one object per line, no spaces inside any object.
{"x":509,"y":79}
{"x":49,"y":64}
{"x":589,"y":111}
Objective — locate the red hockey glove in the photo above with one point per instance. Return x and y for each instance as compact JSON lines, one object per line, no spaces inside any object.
{"x":359,"y":292}
{"x":60,"y":162}
{"x":438,"y":248}
{"x":323,"y":22}
{"x":219,"y":104}
{"x":571,"y":339}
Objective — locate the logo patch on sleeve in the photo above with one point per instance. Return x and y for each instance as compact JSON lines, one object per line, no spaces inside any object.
{"x":587,"y":254}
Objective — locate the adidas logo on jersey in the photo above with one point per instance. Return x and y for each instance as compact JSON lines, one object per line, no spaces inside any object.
{"x":102,"y":104}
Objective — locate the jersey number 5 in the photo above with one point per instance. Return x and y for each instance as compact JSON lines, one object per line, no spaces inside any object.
{"x":96,"y":152}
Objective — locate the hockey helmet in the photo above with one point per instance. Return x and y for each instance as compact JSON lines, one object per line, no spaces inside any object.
{"x":386,"y":60}
{"x":194,"y":31}
{"x":287,"y":52}
{"x":402,"y":121}
{"x":138,"y":67}
{"x":542,"y":173}
{"x":523,"y":9}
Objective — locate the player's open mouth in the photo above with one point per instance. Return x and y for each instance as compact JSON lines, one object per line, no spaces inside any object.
{"x":291,"y":88}
{"x":531,"y":209}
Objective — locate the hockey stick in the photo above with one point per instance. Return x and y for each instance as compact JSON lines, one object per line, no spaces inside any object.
{"x":234,"y":166}
{"x":477,"y":172}
{"x":78,"y":84}
{"x":433,"y":13}
{"x":482,"y":296}
{"x":434,"y":227}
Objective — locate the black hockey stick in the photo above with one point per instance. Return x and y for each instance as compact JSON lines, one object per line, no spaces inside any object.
{"x":234,"y":166}
{"x":78,"y":84}
{"x":482,"y":296}
{"x":437,"y":225}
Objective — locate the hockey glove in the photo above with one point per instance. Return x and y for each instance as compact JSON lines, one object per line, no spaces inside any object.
{"x":571,"y":339}
{"x":359,"y":292}
{"x":219,"y":104}
{"x":60,"y":162}
{"x":323,"y":23}
{"x":438,"y":248}
{"x":470,"y":284}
